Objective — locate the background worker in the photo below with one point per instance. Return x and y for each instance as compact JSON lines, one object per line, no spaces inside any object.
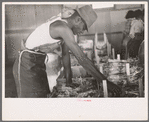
{"x":129,"y":17}
{"x":136,"y":34}
{"x":132,"y":42}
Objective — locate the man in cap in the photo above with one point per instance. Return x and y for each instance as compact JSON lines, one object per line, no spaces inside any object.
{"x":130,"y":17}
{"x":29,"y":68}
{"x":136,"y":35}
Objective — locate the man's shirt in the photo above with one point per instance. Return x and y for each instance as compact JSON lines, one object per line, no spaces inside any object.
{"x":137,"y":26}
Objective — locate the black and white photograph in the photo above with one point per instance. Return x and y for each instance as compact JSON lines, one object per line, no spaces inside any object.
{"x":82,"y":52}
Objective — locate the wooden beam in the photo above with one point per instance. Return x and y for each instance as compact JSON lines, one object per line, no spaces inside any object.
{"x":105,"y":90}
{"x":141,"y":93}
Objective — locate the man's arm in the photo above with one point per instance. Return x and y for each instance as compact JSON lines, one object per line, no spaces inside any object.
{"x":66,"y":34}
{"x":66,"y":64}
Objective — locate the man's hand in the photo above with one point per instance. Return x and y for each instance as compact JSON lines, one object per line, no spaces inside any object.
{"x":113,"y":88}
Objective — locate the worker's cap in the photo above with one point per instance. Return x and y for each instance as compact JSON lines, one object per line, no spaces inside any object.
{"x":130,"y":14}
{"x":87,"y":14}
{"x":138,"y":13}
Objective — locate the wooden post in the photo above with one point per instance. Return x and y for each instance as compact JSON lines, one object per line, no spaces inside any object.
{"x":108,"y":44}
{"x":105,"y":88}
{"x":141,"y":94}
{"x":113,"y":53}
{"x":101,"y":69}
{"x":128,"y":72}
{"x":127,"y":69}
{"x":96,"y":52}
{"x":110,"y":49}
{"x":118,"y":57}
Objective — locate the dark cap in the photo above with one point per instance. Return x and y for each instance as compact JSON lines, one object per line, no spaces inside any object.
{"x":130,"y":14}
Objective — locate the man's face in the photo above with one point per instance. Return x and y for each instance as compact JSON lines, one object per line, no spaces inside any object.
{"x":79,"y":27}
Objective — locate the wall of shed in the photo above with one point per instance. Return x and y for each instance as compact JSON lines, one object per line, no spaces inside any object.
{"x":21,"y":20}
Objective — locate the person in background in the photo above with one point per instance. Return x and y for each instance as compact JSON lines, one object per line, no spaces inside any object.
{"x":135,"y":37}
{"x":29,"y":68}
{"x":129,"y":17}
{"x":136,"y":34}
{"x":141,"y":47}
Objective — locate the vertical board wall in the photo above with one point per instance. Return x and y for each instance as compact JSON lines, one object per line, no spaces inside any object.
{"x":21,"y":20}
